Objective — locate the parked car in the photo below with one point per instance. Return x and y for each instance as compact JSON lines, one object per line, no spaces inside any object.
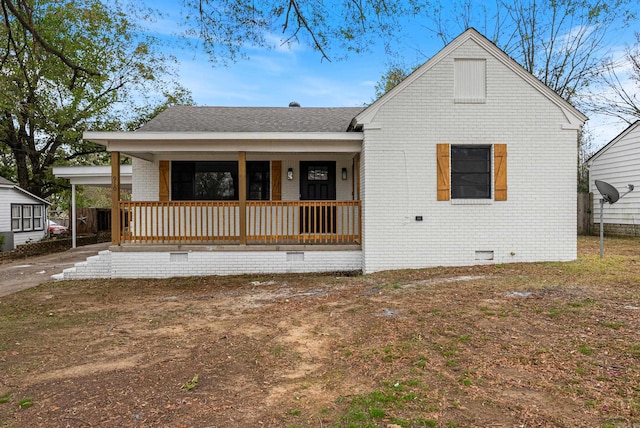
{"x":56,"y":229}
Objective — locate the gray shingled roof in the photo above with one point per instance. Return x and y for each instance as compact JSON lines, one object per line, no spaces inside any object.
{"x":6,"y":182}
{"x":252,"y":119}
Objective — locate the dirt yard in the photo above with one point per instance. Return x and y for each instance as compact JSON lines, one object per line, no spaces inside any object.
{"x":523,"y":345}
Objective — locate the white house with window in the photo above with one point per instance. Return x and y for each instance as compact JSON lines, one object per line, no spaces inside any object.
{"x":23,"y":216}
{"x":469,"y":160}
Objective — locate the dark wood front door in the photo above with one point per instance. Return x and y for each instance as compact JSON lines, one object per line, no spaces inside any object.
{"x":318,"y":183}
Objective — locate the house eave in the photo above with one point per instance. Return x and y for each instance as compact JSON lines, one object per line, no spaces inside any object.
{"x":151,"y":145}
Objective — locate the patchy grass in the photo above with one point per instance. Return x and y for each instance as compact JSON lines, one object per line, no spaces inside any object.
{"x":538,"y":344}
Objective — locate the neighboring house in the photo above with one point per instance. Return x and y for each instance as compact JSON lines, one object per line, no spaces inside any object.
{"x":23,"y":216}
{"x":618,"y":163}
{"x":469,"y":160}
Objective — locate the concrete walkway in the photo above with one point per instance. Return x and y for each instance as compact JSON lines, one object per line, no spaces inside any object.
{"x":28,"y":272}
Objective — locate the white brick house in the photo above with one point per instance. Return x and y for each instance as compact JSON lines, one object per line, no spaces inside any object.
{"x":618,"y":163}
{"x":469,"y":160}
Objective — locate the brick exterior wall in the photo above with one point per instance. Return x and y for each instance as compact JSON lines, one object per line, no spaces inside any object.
{"x":538,"y":220}
{"x":164,"y":264}
{"x":145,"y":176}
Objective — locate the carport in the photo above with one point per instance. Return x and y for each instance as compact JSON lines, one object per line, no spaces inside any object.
{"x":92,"y":175}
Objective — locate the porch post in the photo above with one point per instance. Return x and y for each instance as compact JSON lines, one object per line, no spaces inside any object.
{"x":74,"y":217}
{"x":357,"y":175}
{"x":242,"y":195}
{"x":115,"y":198}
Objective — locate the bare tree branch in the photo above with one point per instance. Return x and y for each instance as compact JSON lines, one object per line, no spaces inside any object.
{"x":302,"y":23}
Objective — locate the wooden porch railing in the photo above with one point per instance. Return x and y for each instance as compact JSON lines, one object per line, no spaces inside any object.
{"x":217,"y":222}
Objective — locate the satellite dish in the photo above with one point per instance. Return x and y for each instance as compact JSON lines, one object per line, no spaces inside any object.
{"x":609,"y":193}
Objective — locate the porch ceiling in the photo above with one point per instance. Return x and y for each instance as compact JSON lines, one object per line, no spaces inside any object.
{"x":149,"y":145}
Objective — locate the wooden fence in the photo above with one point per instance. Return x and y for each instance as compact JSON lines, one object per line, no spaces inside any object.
{"x":585,"y":214}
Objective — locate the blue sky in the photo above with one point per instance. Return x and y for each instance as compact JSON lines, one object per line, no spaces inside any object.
{"x":275,"y":77}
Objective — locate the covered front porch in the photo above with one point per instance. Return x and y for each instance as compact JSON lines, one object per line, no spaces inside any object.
{"x":224,"y":190}
{"x":307,"y":195}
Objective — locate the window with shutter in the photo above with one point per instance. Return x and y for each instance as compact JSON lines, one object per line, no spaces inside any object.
{"x":465,"y":172}
{"x":470,"y":172}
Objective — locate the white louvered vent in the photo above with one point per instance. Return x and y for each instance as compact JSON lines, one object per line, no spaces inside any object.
{"x":471,"y":80}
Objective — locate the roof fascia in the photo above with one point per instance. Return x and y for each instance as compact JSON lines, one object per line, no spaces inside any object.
{"x":152,"y":142}
{"x":105,"y":137}
{"x":574,"y":116}
{"x":97,"y":175}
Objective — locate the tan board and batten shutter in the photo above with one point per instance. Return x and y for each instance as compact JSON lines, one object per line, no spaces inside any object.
{"x":163,"y":191}
{"x":500,"y":172}
{"x":276,"y":180}
{"x":443,"y":172}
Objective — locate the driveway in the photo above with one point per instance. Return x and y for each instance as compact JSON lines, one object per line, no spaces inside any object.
{"x":28,"y":272}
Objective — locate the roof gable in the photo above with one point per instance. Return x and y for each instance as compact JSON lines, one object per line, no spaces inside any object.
{"x":11,"y":185}
{"x":611,"y":143}
{"x":574,"y":116}
{"x":252,"y":119}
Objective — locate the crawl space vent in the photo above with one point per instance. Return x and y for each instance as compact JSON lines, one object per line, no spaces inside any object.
{"x":178,"y":257}
{"x":484,"y":255}
{"x":295,"y":256}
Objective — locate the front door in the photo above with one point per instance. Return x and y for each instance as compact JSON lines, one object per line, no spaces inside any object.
{"x":317,"y":183}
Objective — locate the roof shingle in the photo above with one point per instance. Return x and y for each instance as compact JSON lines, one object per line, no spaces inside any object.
{"x":252,"y":119}
{"x":6,"y":182}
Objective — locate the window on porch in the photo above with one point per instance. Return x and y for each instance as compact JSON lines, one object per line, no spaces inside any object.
{"x":218,"y":180}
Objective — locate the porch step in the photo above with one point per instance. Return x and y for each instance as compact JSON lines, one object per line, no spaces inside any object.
{"x":98,"y":266}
